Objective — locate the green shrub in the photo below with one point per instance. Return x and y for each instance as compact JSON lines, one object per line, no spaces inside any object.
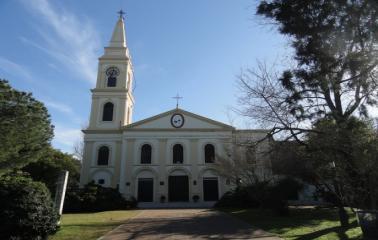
{"x":240,"y":197}
{"x":50,"y":166}
{"x":288,"y":188}
{"x":26,"y":209}
{"x":279,"y":194}
{"x":95,"y":198}
{"x":263,"y":195}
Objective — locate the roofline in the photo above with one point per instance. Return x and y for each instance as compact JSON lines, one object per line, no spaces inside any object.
{"x":178,"y":130}
{"x":179,"y":110}
{"x":95,"y":131}
{"x":253,"y":130}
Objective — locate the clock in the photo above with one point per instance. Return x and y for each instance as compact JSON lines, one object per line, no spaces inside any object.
{"x":177,"y":120}
{"x":112,"y":72}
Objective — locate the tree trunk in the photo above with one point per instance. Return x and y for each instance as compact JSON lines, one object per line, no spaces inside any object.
{"x":343,"y":217}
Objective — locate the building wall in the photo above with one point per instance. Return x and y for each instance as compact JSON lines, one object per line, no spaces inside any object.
{"x":125,"y":168}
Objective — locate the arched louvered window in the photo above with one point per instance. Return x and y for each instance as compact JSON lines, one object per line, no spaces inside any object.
{"x":112,"y":81}
{"x":178,"y":153}
{"x":146,"y":153}
{"x":209,"y":153}
{"x":107,"y":114}
{"x":103,"y":156}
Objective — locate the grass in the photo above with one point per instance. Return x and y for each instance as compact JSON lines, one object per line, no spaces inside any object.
{"x":86,"y":226}
{"x":302,"y":224}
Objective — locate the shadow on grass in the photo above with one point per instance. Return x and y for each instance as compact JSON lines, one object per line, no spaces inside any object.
{"x":302,"y":224}
{"x":340,"y":231}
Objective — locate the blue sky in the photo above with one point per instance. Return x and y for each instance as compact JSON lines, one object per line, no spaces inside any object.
{"x":194,"y":48}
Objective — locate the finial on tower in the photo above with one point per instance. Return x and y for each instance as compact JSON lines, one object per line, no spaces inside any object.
{"x":121,"y":13}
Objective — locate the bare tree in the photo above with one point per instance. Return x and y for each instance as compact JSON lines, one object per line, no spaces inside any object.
{"x":78,"y":150}
{"x":264,"y":100}
{"x":245,"y":163}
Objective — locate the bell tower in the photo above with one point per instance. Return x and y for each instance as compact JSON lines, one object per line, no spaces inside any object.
{"x":112,"y":98}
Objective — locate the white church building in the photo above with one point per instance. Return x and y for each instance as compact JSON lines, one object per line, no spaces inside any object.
{"x":168,"y":157}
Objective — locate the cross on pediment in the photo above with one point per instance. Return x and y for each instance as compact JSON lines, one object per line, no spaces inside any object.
{"x":178,"y":98}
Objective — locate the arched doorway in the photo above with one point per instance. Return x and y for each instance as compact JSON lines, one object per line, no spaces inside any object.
{"x":145,"y":186}
{"x":178,"y":186}
{"x":210,"y":186}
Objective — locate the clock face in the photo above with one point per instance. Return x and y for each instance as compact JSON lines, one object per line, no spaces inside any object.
{"x":177,"y":120}
{"x":112,"y":72}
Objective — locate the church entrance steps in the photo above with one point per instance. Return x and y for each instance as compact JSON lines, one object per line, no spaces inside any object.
{"x":173,"y":205}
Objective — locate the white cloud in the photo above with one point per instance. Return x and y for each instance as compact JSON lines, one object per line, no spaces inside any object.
{"x":66,"y":136}
{"x":72,"y":41}
{"x":61,"y":107}
{"x":14,"y":69}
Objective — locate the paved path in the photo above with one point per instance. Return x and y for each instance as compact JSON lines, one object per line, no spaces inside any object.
{"x":193,"y":224}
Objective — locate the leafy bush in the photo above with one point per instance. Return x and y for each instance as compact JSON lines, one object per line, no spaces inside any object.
{"x":94,"y":198}
{"x":26,"y":209}
{"x":262,"y":195}
{"x":240,"y":197}
{"x":279,"y":194}
{"x":48,"y":168}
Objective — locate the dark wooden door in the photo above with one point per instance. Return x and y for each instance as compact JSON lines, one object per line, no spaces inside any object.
{"x":145,"y":190}
{"x":210,"y":189}
{"x":178,"y":188}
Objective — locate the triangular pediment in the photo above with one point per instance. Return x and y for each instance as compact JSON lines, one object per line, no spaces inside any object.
{"x":163,"y":121}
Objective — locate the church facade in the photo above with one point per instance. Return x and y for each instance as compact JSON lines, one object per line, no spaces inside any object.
{"x":168,"y":157}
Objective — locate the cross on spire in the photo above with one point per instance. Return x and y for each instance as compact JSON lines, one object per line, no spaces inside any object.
{"x":178,"y":98}
{"x":121,"y":13}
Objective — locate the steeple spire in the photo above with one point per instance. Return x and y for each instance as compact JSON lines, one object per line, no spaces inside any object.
{"x":119,"y":37}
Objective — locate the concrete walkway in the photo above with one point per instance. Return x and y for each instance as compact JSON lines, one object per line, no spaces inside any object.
{"x":186,"y":224}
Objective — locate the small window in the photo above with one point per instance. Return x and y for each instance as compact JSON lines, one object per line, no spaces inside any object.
{"x":107,"y":114}
{"x":178,"y":154}
{"x":103,"y":156}
{"x":209,"y":153}
{"x":145,"y":155}
{"x":101,"y":181}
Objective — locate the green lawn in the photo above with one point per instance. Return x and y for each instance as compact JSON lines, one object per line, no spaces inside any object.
{"x":302,"y":224}
{"x":86,"y":226}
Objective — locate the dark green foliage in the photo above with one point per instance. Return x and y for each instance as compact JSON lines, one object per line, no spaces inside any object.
{"x":290,"y":159}
{"x":95,"y":198}
{"x":237,"y":198}
{"x":25,"y":128}
{"x":336,"y":44}
{"x":346,"y":156}
{"x":26,"y":209}
{"x":288,"y":188}
{"x":334,"y":80}
{"x":284,"y":190}
{"x":48,"y":168}
{"x":263,"y":195}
